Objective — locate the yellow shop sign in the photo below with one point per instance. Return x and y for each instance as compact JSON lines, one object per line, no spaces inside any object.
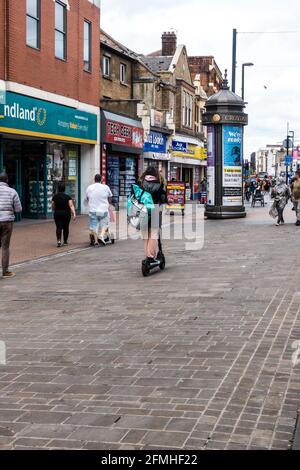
{"x":191,"y":151}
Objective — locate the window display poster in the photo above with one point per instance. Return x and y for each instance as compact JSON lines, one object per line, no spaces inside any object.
{"x":113,"y":175}
{"x":57,"y":164}
{"x":232,"y":166}
{"x":49,"y":167}
{"x":72,"y":168}
{"x":211,"y":166}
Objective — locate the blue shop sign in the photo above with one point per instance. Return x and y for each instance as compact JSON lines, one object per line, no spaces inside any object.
{"x":155,"y":142}
{"x":178,"y":146}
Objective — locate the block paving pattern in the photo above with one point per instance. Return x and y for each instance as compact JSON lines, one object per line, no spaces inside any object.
{"x":196,"y":357}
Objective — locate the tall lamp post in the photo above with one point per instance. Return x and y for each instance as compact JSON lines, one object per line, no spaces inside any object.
{"x":247,"y":64}
{"x":289,"y":143}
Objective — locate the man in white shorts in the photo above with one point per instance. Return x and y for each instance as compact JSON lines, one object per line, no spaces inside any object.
{"x":98,"y":197}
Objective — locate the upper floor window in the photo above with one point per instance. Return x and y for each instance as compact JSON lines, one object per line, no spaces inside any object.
{"x":60,"y":30}
{"x":106,"y":66}
{"x":187,"y":109}
{"x":87,"y":46}
{"x":33,"y":23}
{"x":123,"y":73}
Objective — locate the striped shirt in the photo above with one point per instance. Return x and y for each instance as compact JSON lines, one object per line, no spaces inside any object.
{"x":9,"y":203}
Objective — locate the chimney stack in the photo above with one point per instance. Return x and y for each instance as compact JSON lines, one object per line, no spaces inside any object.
{"x":169,"y":44}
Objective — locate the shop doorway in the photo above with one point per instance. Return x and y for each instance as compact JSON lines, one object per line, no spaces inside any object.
{"x":187,"y":177}
{"x":24,"y":163}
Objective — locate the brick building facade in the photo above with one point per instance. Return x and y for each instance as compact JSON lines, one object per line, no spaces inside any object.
{"x":209,"y":72}
{"x":49,"y":71}
{"x":184,"y":101}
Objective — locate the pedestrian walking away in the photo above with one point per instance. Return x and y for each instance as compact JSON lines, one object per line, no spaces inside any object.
{"x":295,"y":189}
{"x":63,"y":208}
{"x":9,"y":205}
{"x":98,"y":197}
{"x":281,"y":194}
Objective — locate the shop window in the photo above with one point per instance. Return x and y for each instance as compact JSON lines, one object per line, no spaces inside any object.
{"x":87,"y":46}
{"x":187,"y":110}
{"x":33,"y":23}
{"x":123,"y":73}
{"x":60,"y":30}
{"x":106,"y":66}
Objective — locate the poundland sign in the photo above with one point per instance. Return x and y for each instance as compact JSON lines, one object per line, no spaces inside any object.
{"x":32,"y":117}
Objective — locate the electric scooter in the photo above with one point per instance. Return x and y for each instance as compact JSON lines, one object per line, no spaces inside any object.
{"x":160,"y":261}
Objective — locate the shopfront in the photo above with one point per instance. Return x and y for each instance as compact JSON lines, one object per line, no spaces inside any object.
{"x":40,"y":145}
{"x":155,"y":152}
{"x":122,"y":149}
{"x":188,"y":164}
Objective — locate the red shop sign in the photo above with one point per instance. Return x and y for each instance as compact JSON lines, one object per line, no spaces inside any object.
{"x":123,"y":134}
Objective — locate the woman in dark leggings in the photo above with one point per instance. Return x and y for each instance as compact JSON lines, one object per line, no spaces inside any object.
{"x":63,"y":208}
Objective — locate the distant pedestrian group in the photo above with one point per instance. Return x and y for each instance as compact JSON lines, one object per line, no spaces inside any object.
{"x":281,"y":194}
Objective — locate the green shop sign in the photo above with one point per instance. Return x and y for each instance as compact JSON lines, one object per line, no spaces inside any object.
{"x":28,"y":116}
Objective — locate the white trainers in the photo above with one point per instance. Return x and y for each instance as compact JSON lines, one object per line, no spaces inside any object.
{"x":101,"y":239}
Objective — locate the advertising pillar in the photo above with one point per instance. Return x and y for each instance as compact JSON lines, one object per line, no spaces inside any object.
{"x":225,"y":120}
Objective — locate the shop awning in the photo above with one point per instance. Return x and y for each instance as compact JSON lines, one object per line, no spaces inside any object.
{"x":188,"y":140}
{"x":188,"y":161}
{"x":122,"y":131}
{"x":122,"y":119}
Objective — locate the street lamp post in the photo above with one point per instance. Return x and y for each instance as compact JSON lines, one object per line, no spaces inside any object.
{"x":290,"y":138}
{"x":247,"y":64}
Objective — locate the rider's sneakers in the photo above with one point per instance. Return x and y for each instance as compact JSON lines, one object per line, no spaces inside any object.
{"x":152,"y":260}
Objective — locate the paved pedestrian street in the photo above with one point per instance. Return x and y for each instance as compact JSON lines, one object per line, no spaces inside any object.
{"x":196,"y":357}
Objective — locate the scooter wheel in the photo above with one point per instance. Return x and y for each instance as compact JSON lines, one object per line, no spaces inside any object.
{"x":145,"y":269}
{"x":162,"y":261}
{"x":112,"y":241}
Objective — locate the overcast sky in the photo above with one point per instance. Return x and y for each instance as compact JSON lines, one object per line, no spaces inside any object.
{"x":272,"y":86}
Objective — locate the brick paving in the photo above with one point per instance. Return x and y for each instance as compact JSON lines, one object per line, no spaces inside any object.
{"x":196,"y":357}
{"x":33,"y":240}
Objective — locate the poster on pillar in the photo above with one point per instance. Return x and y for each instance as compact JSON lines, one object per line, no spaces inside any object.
{"x":210,"y":166}
{"x":232,"y":166}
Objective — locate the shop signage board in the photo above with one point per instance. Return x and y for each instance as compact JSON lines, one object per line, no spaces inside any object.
{"x":184,"y":149}
{"x":211,"y":166}
{"x":124,"y":134}
{"x":24,"y":115}
{"x":175,"y":195}
{"x":232,"y":165}
{"x":178,"y":146}
{"x":155,"y":142}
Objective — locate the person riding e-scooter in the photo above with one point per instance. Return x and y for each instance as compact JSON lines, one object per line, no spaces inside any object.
{"x":152,"y":183}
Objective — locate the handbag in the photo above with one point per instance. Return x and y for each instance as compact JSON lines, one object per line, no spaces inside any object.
{"x":273,"y":211}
